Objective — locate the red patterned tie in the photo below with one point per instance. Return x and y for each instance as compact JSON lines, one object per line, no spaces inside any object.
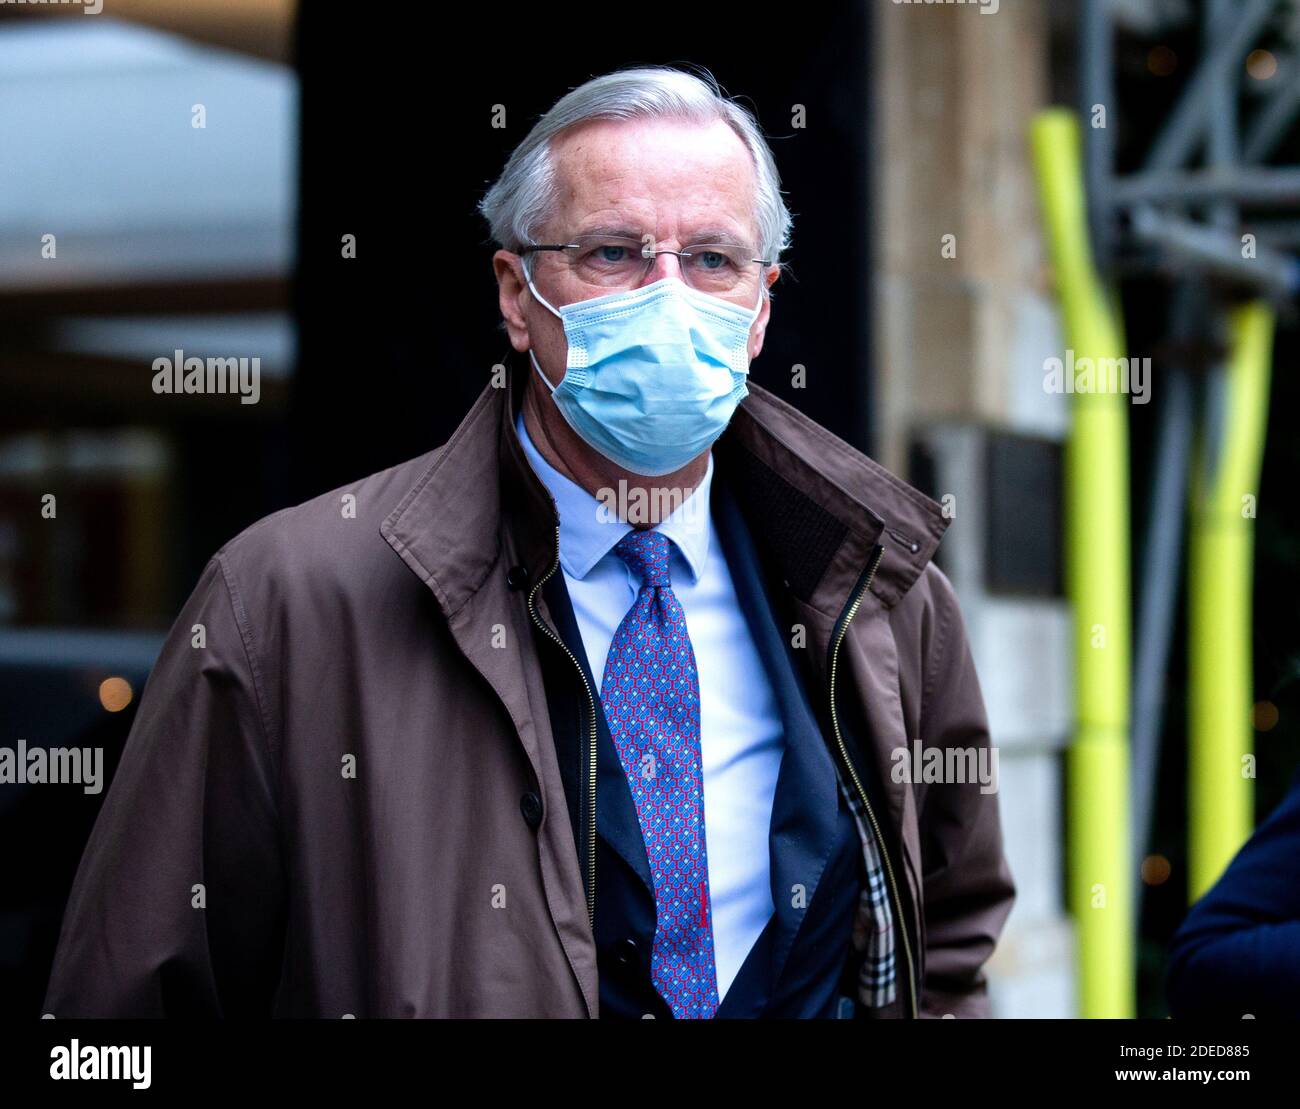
{"x":651,"y":697}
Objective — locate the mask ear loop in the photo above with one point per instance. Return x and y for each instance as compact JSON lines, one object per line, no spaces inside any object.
{"x":757,"y":309}
{"x":759,"y":306}
{"x":523,"y":262}
{"x":545,"y":380}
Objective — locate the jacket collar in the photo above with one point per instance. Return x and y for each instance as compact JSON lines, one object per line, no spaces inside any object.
{"x":816,"y":505}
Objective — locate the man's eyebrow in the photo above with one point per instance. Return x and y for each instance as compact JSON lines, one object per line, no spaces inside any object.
{"x":707,"y":235}
{"x":613,"y":231}
{"x":717,"y":235}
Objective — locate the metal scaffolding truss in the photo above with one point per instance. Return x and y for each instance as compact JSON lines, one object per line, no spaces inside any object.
{"x":1203,"y":186}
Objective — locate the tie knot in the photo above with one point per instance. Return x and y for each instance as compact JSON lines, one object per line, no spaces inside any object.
{"x":646,"y":553}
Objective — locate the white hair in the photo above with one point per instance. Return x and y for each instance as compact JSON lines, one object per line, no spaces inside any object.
{"x":523,"y":197}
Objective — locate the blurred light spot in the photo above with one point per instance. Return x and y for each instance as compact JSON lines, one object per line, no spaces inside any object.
{"x":1162,"y":61}
{"x":115,"y":694}
{"x":1155,"y":870}
{"x":1264,"y":715}
{"x":1261,"y":64}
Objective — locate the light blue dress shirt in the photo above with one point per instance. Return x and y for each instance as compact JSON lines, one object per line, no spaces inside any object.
{"x":741,"y":733}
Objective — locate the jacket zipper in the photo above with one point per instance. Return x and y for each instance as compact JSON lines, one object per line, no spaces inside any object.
{"x":841,"y":629}
{"x":591,"y":735}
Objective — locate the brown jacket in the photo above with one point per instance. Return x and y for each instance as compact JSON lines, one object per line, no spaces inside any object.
{"x":328,"y":802}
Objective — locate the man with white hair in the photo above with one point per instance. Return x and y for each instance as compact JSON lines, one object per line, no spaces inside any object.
{"x":596,"y":709}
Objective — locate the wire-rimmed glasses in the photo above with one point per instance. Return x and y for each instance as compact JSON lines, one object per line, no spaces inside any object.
{"x":622,"y":262}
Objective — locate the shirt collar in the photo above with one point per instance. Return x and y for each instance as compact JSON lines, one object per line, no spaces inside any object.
{"x":587,"y":532}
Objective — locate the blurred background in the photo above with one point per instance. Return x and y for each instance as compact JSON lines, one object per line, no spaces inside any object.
{"x":297,"y":182}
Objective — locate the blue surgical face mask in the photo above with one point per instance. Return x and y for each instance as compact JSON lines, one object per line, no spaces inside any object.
{"x":654,"y":374}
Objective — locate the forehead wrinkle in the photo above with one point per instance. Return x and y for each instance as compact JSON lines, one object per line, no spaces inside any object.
{"x":622,"y":174}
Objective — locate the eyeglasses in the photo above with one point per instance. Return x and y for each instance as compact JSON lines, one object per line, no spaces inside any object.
{"x":617,"y":262}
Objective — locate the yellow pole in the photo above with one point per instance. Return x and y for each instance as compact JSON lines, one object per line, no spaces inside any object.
{"x":1097,"y":574}
{"x":1225,"y":481}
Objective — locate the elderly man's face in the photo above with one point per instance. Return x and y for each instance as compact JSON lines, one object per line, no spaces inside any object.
{"x":679,"y":182}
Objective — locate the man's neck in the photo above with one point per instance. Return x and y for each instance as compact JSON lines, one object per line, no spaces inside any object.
{"x":560,"y":445}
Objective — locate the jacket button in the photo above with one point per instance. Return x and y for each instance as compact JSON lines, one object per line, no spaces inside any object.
{"x":531,"y":806}
{"x":517,"y":577}
{"x":627,"y":953}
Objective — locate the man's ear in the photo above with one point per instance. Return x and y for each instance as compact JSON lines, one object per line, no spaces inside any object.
{"x":512,"y":288}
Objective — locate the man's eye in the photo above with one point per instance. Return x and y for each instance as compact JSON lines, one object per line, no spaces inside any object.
{"x":612,"y":253}
{"x":712,"y":260}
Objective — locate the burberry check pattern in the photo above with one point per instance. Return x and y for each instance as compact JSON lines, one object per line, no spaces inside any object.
{"x":873,"y":929}
{"x":651,"y":697}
